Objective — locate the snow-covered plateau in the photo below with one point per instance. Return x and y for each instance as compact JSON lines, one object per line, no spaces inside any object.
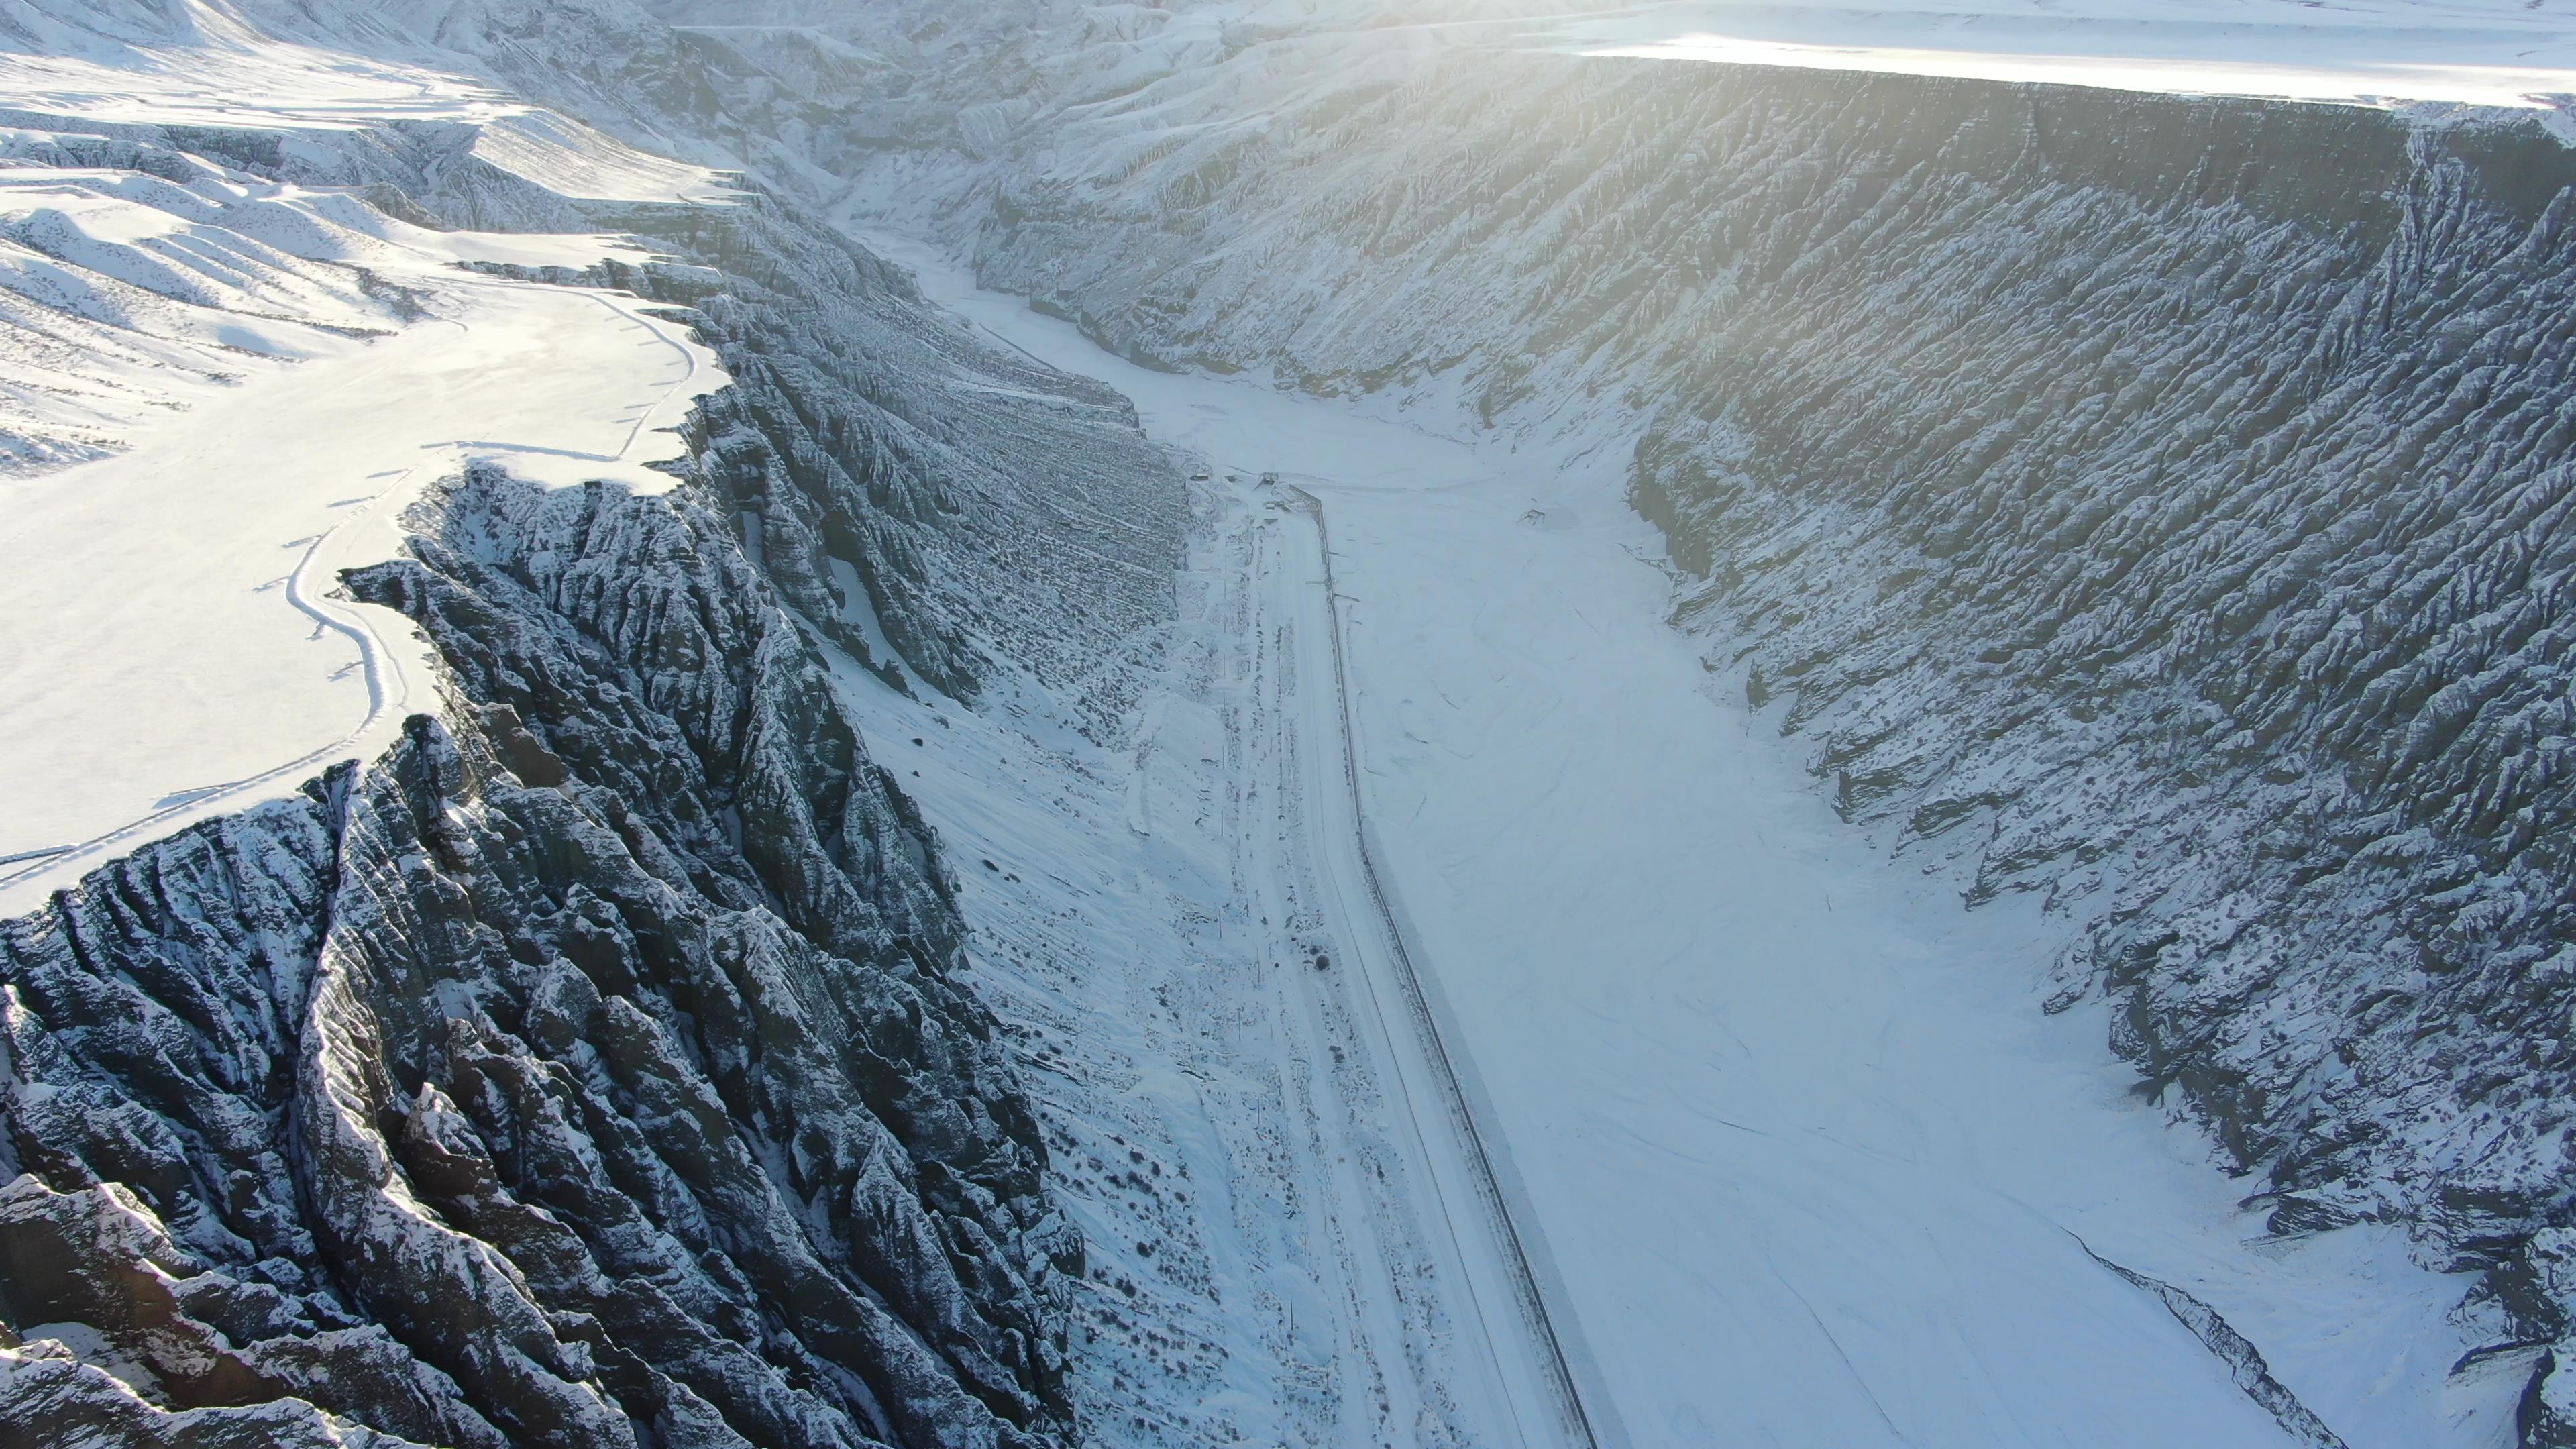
{"x":2387,"y":52}
{"x":1288,"y":722}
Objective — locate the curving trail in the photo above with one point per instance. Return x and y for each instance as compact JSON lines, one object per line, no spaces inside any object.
{"x":148,"y":655}
{"x":388,"y":696}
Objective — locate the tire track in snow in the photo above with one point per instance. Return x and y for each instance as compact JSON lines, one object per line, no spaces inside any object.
{"x":388,"y":683}
{"x":1577,"y":1420}
{"x":388,"y":691}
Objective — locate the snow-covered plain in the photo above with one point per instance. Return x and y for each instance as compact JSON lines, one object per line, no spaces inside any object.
{"x":200,"y":64}
{"x":1810,"y":1163}
{"x":259,"y":378}
{"x":2464,"y":52}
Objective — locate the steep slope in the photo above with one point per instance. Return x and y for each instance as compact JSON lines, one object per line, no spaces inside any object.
{"x":2149,"y":503}
{"x":911,"y":491}
{"x":592,"y":1066}
{"x":2153,"y":502}
{"x":493,"y":1094}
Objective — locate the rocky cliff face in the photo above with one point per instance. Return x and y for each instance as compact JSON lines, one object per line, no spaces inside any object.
{"x":593,"y":1067}
{"x":2156,"y":503}
{"x":586,"y":1072}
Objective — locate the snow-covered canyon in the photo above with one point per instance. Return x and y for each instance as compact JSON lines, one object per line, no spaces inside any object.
{"x":1864,"y":1215}
{"x":2144,"y":502}
{"x":1291,"y":723}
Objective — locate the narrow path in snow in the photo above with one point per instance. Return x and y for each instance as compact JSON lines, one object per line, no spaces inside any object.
{"x":1811,"y":1162}
{"x":1520,"y":1337}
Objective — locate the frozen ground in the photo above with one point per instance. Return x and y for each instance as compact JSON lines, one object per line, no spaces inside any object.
{"x":256,"y":416}
{"x":1810,"y":1164}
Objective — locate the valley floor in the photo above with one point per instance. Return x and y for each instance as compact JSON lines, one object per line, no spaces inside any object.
{"x":1241,"y":1110}
{"x":1803,"y":1161}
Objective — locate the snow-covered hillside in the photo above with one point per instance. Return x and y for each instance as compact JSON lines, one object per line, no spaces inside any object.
{"x":554,"y":1033}
{"x":765,"y":871}
{"x":2144,"y":502}
{"x":2386,"y":52}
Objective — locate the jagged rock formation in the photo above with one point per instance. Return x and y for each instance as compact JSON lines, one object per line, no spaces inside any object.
{"x":589,"y":1074}
{"x":971,"y":510}
{"x":2154,"y":502}
{"x":590,"y":1069}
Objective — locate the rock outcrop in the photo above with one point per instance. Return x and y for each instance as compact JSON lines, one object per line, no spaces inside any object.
{"x":924,"y":499}
{"x":587,"y":1072}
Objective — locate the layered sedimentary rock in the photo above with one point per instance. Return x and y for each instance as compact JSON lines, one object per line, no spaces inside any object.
{"x":910,"y":490}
